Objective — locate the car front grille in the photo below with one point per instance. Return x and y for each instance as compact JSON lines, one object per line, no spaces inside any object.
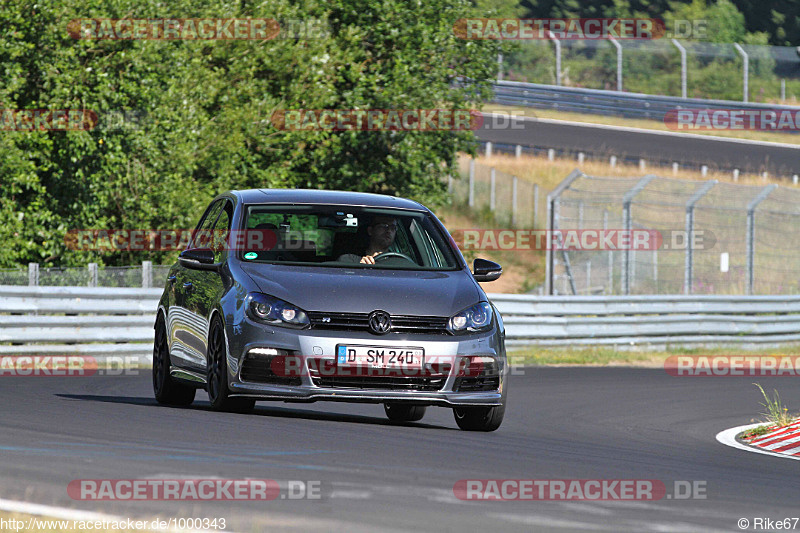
{"x":427,"y":381}
{"x":360,"y":321}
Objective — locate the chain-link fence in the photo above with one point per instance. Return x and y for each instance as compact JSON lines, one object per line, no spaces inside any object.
{"x":662,"y":66}
{"x":147,"y":275}
{"x":511,"y":201}
{"x":708,"y":237}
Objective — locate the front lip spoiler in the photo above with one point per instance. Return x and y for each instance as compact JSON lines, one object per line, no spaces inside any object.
{"x":314,"y":394}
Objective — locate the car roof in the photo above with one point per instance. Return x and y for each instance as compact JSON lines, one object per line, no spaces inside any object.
{"x":316,"y":196}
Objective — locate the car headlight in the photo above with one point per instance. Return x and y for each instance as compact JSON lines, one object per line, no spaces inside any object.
{"x":274,"y":311}
{"x":475,"y":318}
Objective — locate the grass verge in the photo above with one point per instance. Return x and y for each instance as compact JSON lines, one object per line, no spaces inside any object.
{"x":601,"y":356}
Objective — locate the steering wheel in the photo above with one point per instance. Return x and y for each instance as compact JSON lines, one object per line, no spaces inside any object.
{"x":381,"y":257}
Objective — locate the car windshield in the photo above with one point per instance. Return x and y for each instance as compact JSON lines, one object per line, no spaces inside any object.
{"x":339,"y":236}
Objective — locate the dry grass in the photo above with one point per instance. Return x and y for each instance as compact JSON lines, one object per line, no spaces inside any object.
{"x":548,"y":174}
{"x":788,"y":138}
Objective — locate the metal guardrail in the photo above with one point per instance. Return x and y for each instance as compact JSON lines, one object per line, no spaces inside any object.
{"x":601,"y":102}
{"x":651,"y":319}
{"x":102,"y":321}
{"x":77,"y":320}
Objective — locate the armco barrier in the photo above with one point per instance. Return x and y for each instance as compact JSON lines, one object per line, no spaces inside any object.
{"x":103,"y":321}
{"x":77,"y":320}
{"x":609,"y":103}
{"x":649,"y":319}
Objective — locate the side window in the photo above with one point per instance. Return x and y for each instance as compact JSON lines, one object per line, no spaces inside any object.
{"x":221,"y":231}
{"x":202,"y":235}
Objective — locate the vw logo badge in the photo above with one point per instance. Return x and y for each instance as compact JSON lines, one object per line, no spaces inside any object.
{"x":380,"y":322}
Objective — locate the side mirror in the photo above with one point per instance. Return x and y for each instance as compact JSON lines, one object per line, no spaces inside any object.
{"x":485,"y":270}
{"x":198,"y":259}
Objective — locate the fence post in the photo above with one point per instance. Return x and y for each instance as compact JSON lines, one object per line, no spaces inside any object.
{"x":745,"y":71}
{"x":627,"y":224}
{"x":619,"y":62}
{"x":33,"y":274}
{"x":556,"y":42}
{"x":471,"y":201}
{"x":514,"y":182}
{"x":689,"y":260}
{"x":92,"y":274}
{"x":683,"y":66}
{"x":147,"y":274}
{"x":492,"y":190}
{"x":550,"y":225}
{"x":610,"y":255}
{"x":500,"y":66}
{"x":751,"y":234}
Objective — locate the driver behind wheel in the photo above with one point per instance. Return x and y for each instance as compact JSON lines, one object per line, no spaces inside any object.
{"x":381,"y":233}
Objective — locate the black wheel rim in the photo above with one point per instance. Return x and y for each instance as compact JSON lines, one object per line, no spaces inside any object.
{"x":160,"y":359}
{"x":215,"y":364}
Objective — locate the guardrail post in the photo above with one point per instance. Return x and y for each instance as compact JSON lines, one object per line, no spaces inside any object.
{"x":33,"y":274}
{"x":518,"y":151}
{"x":683,"y":66}
{"x":471,"y":201}
{"x":689,"y":260}
{"x":492,"y":190}
{"x":745,"y":71}
{"x":783,"y":89}
{"x":147,"y":274}
{"x":619,"y":62}
{"x":627,"y":224}
{"x":550,"y":225}
{"x":488,"y":149}
{"x":92,"y":274}
{"x":751,"y":234}
{"x":514,"y":182}
{"x":557,"y":43}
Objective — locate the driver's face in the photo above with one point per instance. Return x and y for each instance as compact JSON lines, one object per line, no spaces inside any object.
{"x":382,"y":232}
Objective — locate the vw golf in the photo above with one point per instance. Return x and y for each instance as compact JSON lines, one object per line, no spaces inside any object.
{"x":307,"y":295}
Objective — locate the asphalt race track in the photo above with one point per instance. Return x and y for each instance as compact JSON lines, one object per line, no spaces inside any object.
{"x":749,"y":158}
{"x":562,"y":423}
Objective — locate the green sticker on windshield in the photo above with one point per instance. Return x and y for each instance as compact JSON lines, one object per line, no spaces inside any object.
{"x":250,"y":255}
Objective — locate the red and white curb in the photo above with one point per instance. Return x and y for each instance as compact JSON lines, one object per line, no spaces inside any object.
{"x":780,"y":442}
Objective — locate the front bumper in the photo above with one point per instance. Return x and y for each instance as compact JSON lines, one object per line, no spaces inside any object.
{"x":313,"y":347}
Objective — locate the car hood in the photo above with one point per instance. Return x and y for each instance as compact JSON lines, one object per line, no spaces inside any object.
{"x":363,"y":290}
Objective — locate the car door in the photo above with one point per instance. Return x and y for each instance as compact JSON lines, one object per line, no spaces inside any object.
{"x":183,"y":330}
{"x":205,"y":287}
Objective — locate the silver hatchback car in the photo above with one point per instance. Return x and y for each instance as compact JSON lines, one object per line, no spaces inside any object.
{"x":306,"y":295}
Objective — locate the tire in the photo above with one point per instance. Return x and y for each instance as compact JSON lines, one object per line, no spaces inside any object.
{"x":217,"y":374}
{"x":167,"y":390}
{"x":479,"y":418}
{"x":399,"y":412}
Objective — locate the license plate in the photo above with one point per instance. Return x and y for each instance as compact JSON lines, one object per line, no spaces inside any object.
{"x":380,"y":356}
